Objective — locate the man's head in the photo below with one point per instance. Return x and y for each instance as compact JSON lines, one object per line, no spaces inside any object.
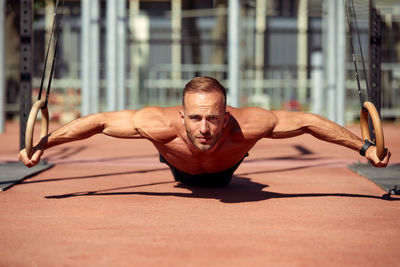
{"x":204,"y":111}
{"x":204,"y":84}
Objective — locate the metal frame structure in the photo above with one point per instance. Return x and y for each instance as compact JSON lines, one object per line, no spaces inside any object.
{"x":374,"y":62}
{"x":90,"y":43}
{"x":234,"y":52}
{"x":238,"y":79}
{"x":26,"y":67}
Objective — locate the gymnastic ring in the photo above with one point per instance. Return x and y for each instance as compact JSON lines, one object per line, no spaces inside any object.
{"x":30,"y":126}
{"x":370,"y":109}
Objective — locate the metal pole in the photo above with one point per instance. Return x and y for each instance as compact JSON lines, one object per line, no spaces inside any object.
{"x":134,"y":9}
{"x":2,"y":82}
{"x":259,"y":45}
{"x":316,"y":83}
{"x":176,"y":24}
{"x":94,"y":70}
{"x":340,"y":64}
{"x":234,"y":52}
{"x":26,"y":66}
{"x":111,"y":55}
{"x":331,"y":58}
{"x":302,"y":51}
{"x":85,"y":44}
{"x":121,"y":45}
{"x":48,"y":22}
{"x":374,"y":62}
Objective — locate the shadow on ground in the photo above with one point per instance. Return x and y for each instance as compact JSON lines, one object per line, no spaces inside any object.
{"x":240,"y":190}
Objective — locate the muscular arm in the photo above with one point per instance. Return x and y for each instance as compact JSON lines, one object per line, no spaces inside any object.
{"x":116,"y":124}
{"x":144,"y":123}
{"x":290,"y":124}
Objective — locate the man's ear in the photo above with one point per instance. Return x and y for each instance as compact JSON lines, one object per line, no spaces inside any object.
{"x":226,"y":118}
{"x":182,"y":114}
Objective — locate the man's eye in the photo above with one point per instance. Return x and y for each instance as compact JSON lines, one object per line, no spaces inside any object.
{"x":195,"y":118}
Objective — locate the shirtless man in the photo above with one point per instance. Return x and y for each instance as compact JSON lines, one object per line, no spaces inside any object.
{"x":203,"y":141}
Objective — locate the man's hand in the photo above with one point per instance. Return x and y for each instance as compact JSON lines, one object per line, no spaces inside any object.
{"x":34,"y":160}
{"x":370,"y":154}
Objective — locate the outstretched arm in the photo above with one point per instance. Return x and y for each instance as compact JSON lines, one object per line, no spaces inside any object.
{"x":117,"y":124}
{"x":144,"y":123}
{"x":290,"y":124}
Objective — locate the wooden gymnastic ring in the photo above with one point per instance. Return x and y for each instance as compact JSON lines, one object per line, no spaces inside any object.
{"x":370,"y":109}
{"x":30,"y":126}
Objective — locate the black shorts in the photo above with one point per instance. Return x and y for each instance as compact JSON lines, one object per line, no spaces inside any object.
{"x":214,"y":179}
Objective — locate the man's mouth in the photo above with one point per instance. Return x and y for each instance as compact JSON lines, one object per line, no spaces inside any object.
{"x":204,"y":139}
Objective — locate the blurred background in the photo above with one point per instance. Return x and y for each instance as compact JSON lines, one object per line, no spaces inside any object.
{"x":277,"y":54}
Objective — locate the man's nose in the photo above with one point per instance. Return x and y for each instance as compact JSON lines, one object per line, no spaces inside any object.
{"x":204,"y":127}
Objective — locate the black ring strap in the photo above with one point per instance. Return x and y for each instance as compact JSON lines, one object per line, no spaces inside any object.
{"x":366,"y":145}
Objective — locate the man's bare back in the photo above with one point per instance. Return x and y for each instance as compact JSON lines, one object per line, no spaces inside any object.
{"x":203,"y":135}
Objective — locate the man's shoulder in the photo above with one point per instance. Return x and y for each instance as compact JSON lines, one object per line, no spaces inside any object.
{"x":158,"y":123}
{"x":160,"y":114}
{"x":251,"y":114}
{"x":253,"y":122}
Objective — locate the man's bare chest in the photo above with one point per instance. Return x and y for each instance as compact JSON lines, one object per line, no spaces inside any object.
{"x":179,"y":154}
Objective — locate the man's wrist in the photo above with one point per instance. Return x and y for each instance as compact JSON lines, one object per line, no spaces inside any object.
{"x":42,"y":145}
{"x":364,"y":148}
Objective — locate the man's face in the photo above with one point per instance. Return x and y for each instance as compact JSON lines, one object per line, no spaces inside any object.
{"x":204,"y":117}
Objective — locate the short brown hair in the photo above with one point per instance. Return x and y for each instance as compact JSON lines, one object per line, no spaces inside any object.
{"x":203,"y":84}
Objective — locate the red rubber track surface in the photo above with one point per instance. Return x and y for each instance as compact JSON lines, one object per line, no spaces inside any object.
{"x":109,"y":202}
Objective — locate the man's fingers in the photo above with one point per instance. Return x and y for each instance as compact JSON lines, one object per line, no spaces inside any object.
{"x":385,"y":161}
{"x":35,"y":156}
{"x":23,"y":157}
{"x":374,"y":160}
{"x":35,"y":159}
{"x":29,"y":162}
{"x":381,"y":163}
